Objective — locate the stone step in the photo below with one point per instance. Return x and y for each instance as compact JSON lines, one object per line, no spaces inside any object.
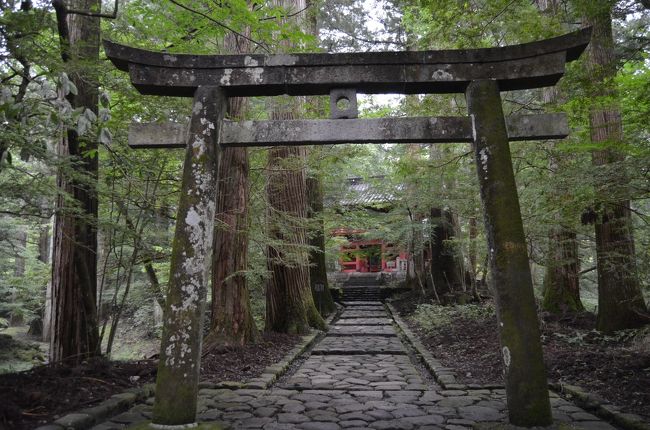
{"x":344,"y":345}
{"x":361,"y":330}
{"x":363,"y":314}
{"x":355,"y":304}
{"x":369,"y":373}
{"x":364,"y":321}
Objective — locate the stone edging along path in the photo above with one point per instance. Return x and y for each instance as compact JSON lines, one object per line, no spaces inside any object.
{"x":356,"y":377}
{"x":119,"y":403}
{"x":589,"y":402}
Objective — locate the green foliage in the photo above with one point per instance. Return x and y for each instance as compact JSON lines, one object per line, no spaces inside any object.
{"x":430,"y":317}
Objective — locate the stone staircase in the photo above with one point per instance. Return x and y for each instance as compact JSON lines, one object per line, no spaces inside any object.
{"x":361,"y":293}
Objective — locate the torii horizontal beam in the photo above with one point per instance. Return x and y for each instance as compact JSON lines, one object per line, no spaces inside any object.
{"x":340,"y":131}
{"x":530,"y":65}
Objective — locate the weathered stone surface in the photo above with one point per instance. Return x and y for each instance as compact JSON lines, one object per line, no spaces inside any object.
{"x":360,"y":330}
{"x":319,"y":425}
{"x":377,"y":130}
{"x":364,"y":321}
{"x":75,"y":421}
{"x":360,"y":345}
{"x":180,"y":353}
{"x":529,"y":65}
{"x":521,"y":348}
{"x":371,"y":393}
{"x":481,"y":413}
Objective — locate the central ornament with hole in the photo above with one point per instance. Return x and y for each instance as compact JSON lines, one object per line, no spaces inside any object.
{"x":343,"y":103}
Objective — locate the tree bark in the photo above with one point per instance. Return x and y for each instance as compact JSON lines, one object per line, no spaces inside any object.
{"x":415,"y":277}
{"x":232,"y":318}
{"x":19,"y":264}
{"x":74,"y":266}
{"x":317,"y":267}
{"x":561,"y":288}
{"x":446,"y":270}
{"x":290,"y":305}
{"x":561,"y":281}
{"x":44,"y":244}
{"x":620,"y":302}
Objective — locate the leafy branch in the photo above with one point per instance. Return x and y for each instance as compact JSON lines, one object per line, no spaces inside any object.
{"x":220,"y":24}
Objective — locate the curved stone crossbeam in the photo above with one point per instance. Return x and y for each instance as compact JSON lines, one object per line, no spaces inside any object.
{"x":529,"y":65}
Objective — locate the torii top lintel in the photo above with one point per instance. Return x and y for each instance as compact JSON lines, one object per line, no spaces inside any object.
{"x":529,"y":65}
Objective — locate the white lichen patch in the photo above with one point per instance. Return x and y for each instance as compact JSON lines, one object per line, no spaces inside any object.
{"x":506,"y":356}
{"x":198,"y":145}
{"x":197,"y":108}
{"x":208,"y":126}
{"x":225,"y":79}
{"x":474,"y":133}
{"x":250,"y":62}
{"x":442,"y":75}
{"x":484,"y":157}
{"x":256,"y":74}
{"x":170,"y":58}
{"x":281,"y":60}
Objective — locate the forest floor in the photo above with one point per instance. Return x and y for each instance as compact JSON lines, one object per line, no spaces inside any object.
{"x":44,"y":393}
{"x":617,"y":367}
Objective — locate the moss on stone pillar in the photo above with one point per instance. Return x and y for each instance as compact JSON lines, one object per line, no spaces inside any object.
{"x":521,"y":348}
{"x":180,"y":351}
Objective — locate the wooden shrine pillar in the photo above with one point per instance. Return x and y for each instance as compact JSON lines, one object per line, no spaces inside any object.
{"x":180,"y":351}
{"x":511,"y":281}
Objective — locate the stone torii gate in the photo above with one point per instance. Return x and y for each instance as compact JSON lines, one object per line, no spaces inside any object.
{"x":479,"y":73}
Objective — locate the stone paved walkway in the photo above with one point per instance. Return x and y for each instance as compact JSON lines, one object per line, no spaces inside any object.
{"x":359,"y":376}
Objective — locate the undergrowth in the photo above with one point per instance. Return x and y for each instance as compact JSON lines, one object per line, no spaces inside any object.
{"x":429,"y":317}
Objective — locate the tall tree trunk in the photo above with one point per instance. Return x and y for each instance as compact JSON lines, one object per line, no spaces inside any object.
{"x":561,"y":289}
{"x":415,"y":277}
{"x":561,"y":281}
{"x":290,"y":305}
{"x":44,"y":244}
{"x":19,"y":264}
{"x":232,"y":318}
{"x":620,"y":301}
{"x":74,"y":270}
{"x":472,"y":256}
{"x":446,"y":270}
{"x":317,"y":267}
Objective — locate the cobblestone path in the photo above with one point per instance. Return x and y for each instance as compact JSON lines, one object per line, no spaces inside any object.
{"x":359,"y":376}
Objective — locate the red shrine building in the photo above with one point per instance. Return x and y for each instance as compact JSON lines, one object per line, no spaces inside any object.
{"x":362,"y":255}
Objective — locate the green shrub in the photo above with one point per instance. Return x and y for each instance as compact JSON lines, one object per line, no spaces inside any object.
{"x":429,"y":317}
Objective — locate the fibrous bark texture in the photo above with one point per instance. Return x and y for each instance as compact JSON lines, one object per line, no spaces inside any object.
{"x":232,"y":318}
{"x":74,"y":264}
{"x":290,"y":306}
{"x":620,"y":301}
{"x":317,"y":267}
{"x":561,"y":281}
{"x":446,"y":268}
{"x":289,"y":302}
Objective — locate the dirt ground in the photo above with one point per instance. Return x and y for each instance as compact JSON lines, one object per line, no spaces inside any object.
{"x":44,"y":393}
{"x":615,"y":367}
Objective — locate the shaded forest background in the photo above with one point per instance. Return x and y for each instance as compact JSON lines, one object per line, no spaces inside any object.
{"x":85,"y":216}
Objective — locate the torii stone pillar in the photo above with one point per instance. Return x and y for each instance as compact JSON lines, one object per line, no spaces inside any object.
{"x":180,"y":352}
{"x":511,"y":281}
